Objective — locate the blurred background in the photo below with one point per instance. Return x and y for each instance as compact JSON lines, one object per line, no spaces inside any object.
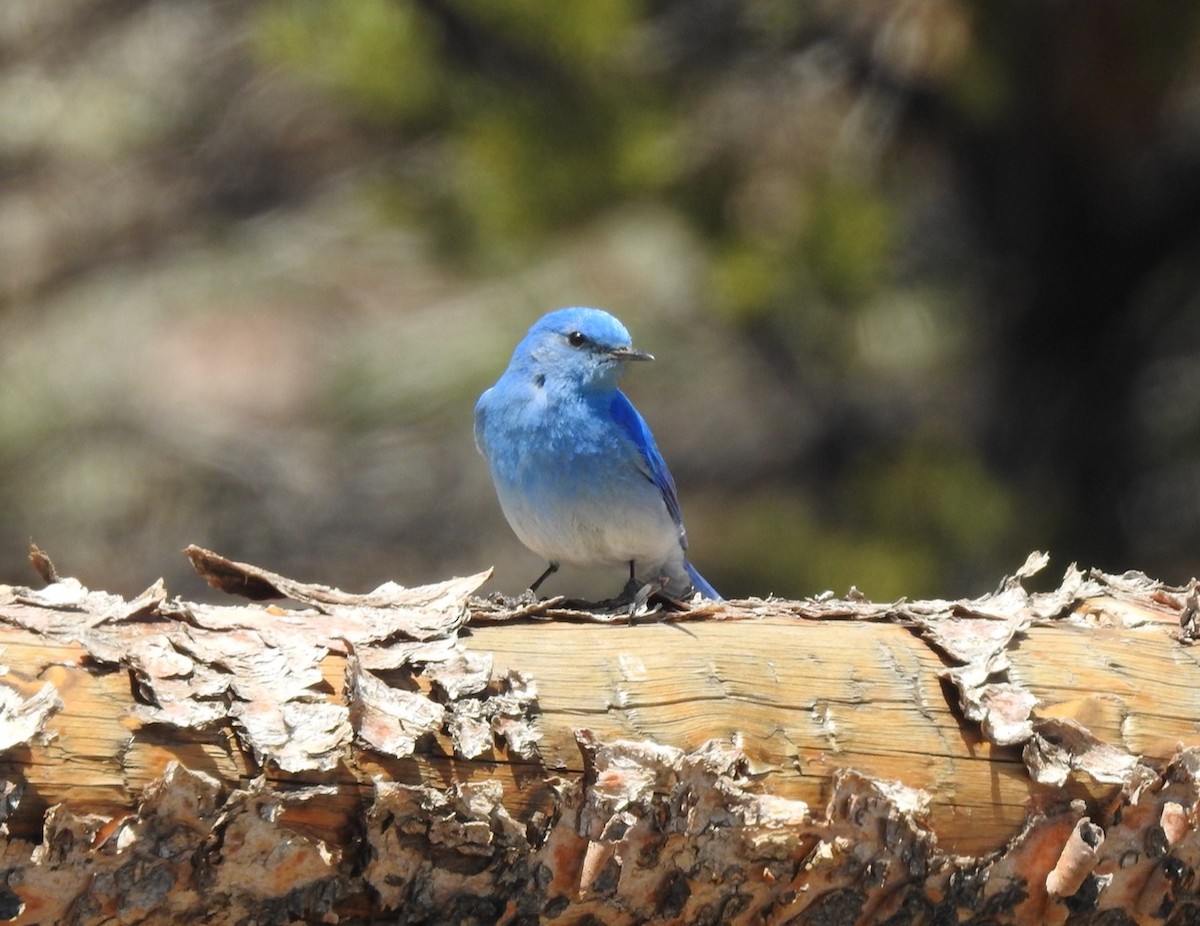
{"x":923,"y":279}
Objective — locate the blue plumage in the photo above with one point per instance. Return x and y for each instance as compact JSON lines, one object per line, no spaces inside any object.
{"x":576,"y":469}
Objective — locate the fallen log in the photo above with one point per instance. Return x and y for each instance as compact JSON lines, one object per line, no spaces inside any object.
{"x":427,"y":756}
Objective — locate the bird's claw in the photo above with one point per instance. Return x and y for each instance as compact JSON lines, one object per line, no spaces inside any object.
{"x":634,"y":599}
{"x":641,"y":597}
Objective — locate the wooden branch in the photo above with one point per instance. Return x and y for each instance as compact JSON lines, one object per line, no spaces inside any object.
{"x":423,"y":755}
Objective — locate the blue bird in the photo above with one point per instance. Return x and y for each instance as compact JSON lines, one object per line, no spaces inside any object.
{"x":576,"y":469}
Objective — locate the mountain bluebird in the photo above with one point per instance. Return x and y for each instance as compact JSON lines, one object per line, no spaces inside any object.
{"x":576,"y":469}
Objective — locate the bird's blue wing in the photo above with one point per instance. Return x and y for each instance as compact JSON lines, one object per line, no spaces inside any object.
{"x":632,"y":423}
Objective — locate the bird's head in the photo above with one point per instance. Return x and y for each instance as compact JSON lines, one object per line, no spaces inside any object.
{"x":584,"y":348}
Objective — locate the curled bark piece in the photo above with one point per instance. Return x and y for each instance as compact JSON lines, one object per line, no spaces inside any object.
{"x":42,"y":564}
{"x":388,"y":614}
{"x":258,"y":584}
{"x":475,"y":722}
{"x":461,"y":673}
{"x":1189,"y":617}
{"x":234,"y":578}
{"x":600,"y":867}
{"x":1174,"y":823}
{"x":24,"y":719}
{"x":1077,"y":861}
{"x":1006,"y":712}
{"x":387,"y":719}
{"x":470,"y":730}
{"x":1061,"y":747}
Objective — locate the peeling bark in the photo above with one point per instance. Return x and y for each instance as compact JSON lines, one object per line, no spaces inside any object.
{"x":420,"y":755}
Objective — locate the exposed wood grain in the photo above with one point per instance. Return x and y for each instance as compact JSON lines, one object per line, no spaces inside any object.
{"x":806,"y":698}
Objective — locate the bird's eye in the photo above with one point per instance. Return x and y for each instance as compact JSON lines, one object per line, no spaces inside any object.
{"x":577,"y":339}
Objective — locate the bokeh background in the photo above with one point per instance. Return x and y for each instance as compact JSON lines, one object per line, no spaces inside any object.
{"x":923,"y":279}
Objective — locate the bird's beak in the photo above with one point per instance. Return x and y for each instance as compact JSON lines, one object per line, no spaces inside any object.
{"x":629,"y":353}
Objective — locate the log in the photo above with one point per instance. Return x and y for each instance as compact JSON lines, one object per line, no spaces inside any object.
{"x":423,"y":755}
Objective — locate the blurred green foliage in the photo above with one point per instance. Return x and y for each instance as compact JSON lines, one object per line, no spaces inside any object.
{"x":535,"y":115}
{"x":847,"y":241}
{"x":377,"y":54}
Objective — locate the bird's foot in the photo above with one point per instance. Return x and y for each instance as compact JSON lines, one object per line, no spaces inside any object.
{"x":635,"y":600}
{"x":640,"y":602}
{"x":629,"y":593}
{"x":526,"y":599}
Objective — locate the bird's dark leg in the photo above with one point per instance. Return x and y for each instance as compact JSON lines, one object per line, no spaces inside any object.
{"x":637,"y":595}
{"x":631,"y":587}
{"x":550,"y":570}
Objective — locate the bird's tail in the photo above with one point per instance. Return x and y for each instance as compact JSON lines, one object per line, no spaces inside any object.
{"x":700,"y":584}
